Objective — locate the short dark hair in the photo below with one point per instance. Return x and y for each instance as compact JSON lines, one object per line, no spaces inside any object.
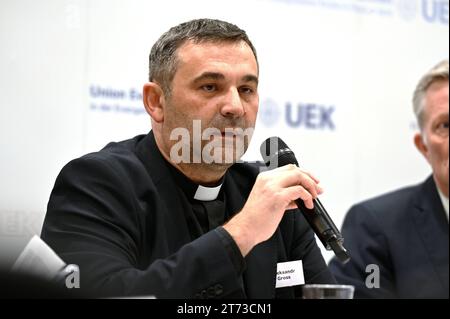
{"x":163,"y":59}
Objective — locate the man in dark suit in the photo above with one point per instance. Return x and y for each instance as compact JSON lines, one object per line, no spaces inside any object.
{"x":177,"y":218}
{"x":399,"y":241}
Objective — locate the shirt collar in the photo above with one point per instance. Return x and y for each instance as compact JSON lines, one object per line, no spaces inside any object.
{"x":204,"y":193}
{"x":194,"y":190}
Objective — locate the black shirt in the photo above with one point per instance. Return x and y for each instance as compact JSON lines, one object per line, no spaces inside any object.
{"x":208,"y":215}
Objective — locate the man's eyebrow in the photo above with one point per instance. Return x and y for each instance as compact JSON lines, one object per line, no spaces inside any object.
{"x":250,"y":78}
{"x":209,"y":76}
{"x":219,"y":76}
{"x":441,"y":116}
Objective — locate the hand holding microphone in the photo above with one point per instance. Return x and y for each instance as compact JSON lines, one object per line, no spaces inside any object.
{"x":277,"y":154}
{"x":273,"y":193}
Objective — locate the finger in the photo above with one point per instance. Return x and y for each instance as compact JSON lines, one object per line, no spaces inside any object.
{"x":312,"y":177}
{"x":292,"y":205}
{"x":298,"y":192}
{"x":320,"y":190}
{"x":283,"y":168}
{"x":289,"y":167}
{"x":315,"y":179}
{"x":297,"y":177}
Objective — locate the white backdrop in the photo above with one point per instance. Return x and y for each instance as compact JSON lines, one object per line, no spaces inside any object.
{"x":336,"y":83}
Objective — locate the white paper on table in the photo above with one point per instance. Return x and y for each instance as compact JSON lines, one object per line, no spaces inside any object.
{"x":38,"y":259}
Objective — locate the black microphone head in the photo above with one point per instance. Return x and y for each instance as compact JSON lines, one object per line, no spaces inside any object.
{"x":276,"y":153}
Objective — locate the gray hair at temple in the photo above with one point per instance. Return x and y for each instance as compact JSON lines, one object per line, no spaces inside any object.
{"x":437,"y":73}
{"x":163,"y":58}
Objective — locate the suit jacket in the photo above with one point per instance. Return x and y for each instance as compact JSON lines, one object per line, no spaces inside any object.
{"x":405,"y":233}
{"x":119,"y":215}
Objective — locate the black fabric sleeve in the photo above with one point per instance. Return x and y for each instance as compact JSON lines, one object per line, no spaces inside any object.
{"x":93,"y":221}
{"x":233,"y":250}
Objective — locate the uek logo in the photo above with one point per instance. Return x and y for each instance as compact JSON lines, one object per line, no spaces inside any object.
{"x":302,"y":115}
{"x":432,"y":11}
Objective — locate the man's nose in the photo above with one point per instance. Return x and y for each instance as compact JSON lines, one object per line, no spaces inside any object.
{"x":232,"y":104}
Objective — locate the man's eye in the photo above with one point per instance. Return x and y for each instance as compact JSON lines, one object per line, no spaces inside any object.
{"x":246,"y":90}
{"x":443,"y":125}
{"x":442,"y":128}
{"x":208,"y":87}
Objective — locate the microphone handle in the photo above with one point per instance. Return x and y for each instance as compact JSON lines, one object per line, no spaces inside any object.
{"x":324,"y":228}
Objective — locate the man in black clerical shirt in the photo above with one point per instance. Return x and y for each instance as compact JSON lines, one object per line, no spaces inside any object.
{"x":171,"y":214}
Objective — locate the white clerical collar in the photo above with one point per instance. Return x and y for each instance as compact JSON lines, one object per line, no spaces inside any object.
{"x":444,"y":200}
{"x":204,"y":193}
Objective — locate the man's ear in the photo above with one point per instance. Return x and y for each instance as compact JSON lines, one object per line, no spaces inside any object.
{"x":154,"y":101}
{"x":420,"y":145}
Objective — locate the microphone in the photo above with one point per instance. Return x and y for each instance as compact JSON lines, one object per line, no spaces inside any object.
{"x":276,"y":154}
